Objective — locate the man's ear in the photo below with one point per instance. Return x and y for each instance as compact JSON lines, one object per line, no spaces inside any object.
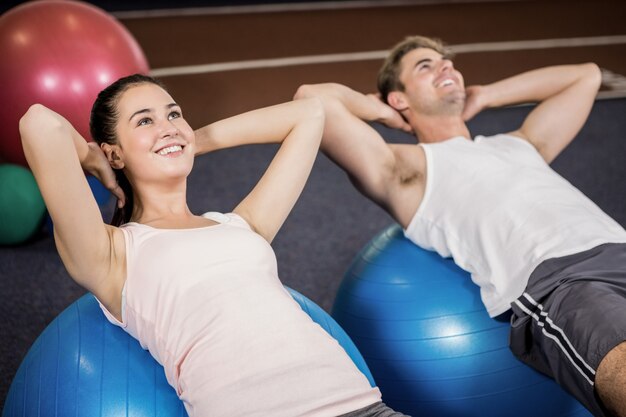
{"x":112,"y":153}
{"x":398,"y":101}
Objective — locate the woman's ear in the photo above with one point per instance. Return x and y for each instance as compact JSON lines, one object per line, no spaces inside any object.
{"x":397,"y":100}
{"x":112,"y":153}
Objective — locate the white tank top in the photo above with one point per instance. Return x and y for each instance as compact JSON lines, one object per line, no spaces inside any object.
{"x":499,"y":210}
{"x":208,"y":305}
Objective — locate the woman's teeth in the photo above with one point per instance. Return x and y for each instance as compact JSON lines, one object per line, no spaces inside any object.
{"x":170,"y":149}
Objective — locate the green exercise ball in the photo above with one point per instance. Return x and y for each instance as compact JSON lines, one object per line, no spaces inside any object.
{"x":21,"y":205}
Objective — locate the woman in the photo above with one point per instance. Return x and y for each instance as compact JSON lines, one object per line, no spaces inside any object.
{"x":201,"y":293}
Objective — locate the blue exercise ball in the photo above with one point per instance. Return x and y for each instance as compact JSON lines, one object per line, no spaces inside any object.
{"x":99,"y":191}
{"x":82,"y":365}
{"x":419,"y":322}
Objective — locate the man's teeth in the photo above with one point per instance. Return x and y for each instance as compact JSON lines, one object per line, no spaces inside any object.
{"x":446,"y":83}
{"x":170,"y":149}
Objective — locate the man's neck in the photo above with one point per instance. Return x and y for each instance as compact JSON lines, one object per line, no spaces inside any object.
{"x":430,"y":129}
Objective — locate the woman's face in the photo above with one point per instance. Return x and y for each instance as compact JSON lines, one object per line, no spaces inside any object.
{"x":156,"y":143}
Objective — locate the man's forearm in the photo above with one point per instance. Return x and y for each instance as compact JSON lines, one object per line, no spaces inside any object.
{"x":356,"y":103}
{"x":366,"y":107}
{"x":540,"y":84}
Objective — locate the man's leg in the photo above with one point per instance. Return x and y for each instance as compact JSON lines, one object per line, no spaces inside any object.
{"x":611,"y":381}
{"x":580,"y":299}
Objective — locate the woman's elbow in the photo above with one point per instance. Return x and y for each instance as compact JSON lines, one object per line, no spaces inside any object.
{"x":38,"y":117}
{"x":316,"y":108}
{"x":38,"y":126}
{"x":593,"y":74}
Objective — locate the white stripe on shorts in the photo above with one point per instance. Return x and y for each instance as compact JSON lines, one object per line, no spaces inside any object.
{"x":556,"y":333}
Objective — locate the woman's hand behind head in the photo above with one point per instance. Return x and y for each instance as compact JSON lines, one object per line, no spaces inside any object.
{"x":97,"y":164}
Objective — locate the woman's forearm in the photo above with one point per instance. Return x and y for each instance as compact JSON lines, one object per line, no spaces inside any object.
{"x":267,"y":125}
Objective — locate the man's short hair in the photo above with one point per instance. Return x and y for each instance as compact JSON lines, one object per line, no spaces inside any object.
{"x":389,"y":74}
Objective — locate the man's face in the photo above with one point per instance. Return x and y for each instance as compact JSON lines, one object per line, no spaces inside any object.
{"x":432,"y":85}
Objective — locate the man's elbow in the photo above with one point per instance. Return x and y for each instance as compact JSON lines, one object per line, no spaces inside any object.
{"x":322,"y":91}
{"x":304,"y":91}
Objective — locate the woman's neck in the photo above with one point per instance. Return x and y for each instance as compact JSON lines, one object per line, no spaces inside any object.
{"x":156,"y":205}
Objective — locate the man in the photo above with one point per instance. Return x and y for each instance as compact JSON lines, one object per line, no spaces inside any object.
{"x":533,"y":242}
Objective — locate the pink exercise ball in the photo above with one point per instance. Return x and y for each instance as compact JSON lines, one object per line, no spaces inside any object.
{"x":60,"y":54}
